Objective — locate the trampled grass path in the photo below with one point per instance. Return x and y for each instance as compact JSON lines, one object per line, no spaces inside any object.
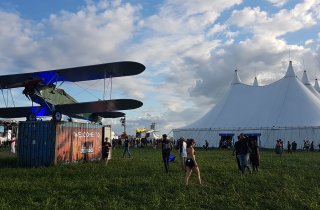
{"x":290,"y":182}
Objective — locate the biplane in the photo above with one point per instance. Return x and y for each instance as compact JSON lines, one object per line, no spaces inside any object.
{"x":43,"y":90}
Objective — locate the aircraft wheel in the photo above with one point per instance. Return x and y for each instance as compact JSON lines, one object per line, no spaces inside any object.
{"x":57,"y":115}
{"x":31,"y":117}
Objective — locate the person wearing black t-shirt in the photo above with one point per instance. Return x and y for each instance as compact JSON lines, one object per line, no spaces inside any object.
{"x":105,"y":150}
{"x":294,"y":146}
{"x":126,"y":147}
{"x":166,"y":147}
{"x":289,"y":147}
{"x":244,"y":153}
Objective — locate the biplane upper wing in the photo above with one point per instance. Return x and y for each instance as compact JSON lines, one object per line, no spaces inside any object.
{"x":99,"y":106}
{"x":76,"y":74}
{"x":17,"y":112}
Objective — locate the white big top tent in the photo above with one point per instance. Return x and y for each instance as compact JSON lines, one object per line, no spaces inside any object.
{"x":288,"y":109}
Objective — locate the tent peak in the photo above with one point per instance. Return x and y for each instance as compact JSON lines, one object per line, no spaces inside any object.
{"x":255,"y":83}
{"x":316,"y":85}
{"x":290,"y":72}
{"x":236,"y":79}
{"x":304,"y":78}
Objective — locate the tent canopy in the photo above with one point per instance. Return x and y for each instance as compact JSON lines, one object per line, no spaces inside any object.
{"x":284,"y":103}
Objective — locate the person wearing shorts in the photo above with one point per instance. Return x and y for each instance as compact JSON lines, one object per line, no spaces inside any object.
{"x":183,"y":153}
{"x":191,"y":163}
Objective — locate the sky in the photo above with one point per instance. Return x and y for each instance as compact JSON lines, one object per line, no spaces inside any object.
{"x":190,"y":49}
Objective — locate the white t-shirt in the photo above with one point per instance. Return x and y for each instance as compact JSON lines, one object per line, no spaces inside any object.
{"x":184,"y":149}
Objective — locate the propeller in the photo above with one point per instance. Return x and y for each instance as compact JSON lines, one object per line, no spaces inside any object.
{"x":26,"y":83}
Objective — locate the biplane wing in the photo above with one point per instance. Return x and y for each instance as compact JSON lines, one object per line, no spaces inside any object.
{"x":110,"y":114}
{"x":105,"y":109}
{"x":17,"y":112}
{"x":99,"y":106}
{"x":76,"y":74}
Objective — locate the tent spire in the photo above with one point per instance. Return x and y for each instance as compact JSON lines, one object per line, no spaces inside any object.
{"x":255,"y":83}
{"x":236,"y":78}
{"x":316,"y":86}
{"x":305,"y":79}
{"x":290,"y":71}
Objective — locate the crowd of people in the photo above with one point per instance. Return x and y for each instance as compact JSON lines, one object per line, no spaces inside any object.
{"x":245,"y":150}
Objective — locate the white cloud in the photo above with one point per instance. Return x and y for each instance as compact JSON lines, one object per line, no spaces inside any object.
{"x":309,"y":43}
{"x":216,"y":29}
{"x":229,"y":42}
{"x":301,"y":16}
{"x":230,"y":34}
{"x":187,"y":16}
{"x":278,"y":3}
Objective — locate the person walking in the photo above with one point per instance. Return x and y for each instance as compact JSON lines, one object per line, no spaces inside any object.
{"x":236,"y":149}
{"x":105,"y":150}
{"x":13,"y":144}
{"x":294,"y":146}
{"x":278,"y":148}
{"x":244,"y":153}
{"x":183,"y":153}
{"x":282,"y":145}
{"x":166,"y":147}
{"x":119,"y":143}
{"x":126,"y":147}
{"x":307,"y":146}
{"x":254,"y":155}
{"x":312,"y":146}
{"x":207,"y":145}
{"x":191,"y":163}
{"x":289,"y":147}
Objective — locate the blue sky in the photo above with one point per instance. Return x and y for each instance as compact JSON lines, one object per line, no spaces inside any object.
{"x":190,"y":48}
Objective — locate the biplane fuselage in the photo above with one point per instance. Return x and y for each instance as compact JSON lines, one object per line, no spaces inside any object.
{"x":46,"y":95}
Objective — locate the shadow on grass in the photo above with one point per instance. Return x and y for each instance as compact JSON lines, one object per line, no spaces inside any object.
{"x":8,"y":162}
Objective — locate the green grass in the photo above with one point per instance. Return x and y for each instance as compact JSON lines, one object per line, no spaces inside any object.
{"x":5,"y":149}
{"x":290,"y":182}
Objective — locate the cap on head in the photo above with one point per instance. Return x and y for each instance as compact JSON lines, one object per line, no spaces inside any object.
{"x":164,"y":135}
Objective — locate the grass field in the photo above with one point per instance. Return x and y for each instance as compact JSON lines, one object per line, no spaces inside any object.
{"x":5,"y":149}
{"x":290,"y":182}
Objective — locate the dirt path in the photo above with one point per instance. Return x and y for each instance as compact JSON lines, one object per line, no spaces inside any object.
{"x":7,"y":153}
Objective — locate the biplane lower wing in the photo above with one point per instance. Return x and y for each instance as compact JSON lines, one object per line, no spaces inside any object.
{"x":105,"y":109}
{"x":110,"y":114}
{"x":99,"y":106}
{"x":17,"y":112}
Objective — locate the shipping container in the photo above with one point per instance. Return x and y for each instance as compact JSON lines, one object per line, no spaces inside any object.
{"x":46,"y":143}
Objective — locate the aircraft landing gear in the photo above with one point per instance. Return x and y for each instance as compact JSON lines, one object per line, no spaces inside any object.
{"x":57,"y":116}
{"x":31,"y":117}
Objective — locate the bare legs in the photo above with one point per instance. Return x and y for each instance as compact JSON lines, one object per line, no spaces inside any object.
{"x":194,"y":169}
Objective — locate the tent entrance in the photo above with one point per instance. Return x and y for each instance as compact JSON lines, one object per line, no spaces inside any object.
{"x":254,"y":137}
{"x":226,"y":140}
